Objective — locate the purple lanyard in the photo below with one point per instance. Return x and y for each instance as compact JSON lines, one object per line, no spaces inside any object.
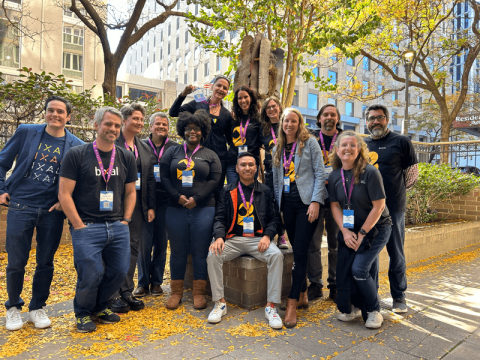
{"x":100,"y":163}
{"x":190,"y":158}
{"x":155,"y":150}
{"x":243,"y":131}
{"x":273,"y":136}
{"x":324,"y":151}
{"x":135,"y":150}
{"x":286,"y":163}
{"x":243,"y":198}
{"x":345,"y":188}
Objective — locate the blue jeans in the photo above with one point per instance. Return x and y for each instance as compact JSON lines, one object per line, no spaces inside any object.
{"x":21,"y":222}
{"x":154,"y":236}
{"x":101,"y":254}
{"x":190,"y":232}
{"x":363,"y":270}
{"x":395,"y":248}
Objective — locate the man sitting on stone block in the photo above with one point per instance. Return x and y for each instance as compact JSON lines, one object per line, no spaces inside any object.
{"x":246,"y":219}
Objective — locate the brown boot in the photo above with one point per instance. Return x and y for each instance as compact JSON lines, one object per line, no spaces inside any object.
{"x":198,"y":292}
{"x":303,"y":302}
{"x":176,"y":296}
{"x":291,"y":313}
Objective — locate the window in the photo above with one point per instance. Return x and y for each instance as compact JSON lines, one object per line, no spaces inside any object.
{"x":148,"y":47}
{"x":332,"y":75}
{"x":206,"y":70}
{"x":119,"y":91}
{"x":9,"y":45}
{"x":195,"y":74}
{"x":379,"y":89}
{"x":178,"y":63}
{"x":141,"y":52}
{"x":185,"y":78}
{"x":351,"y":61}
{"x":66,"y":10}
{"x":196,"y":54}
{"x":315,"y":72}
{"x":188,"y":55}
{"x":154,"y":41}
{"x":313,"y":101}
{"x":168,"y":49}
{"x":332,"y":101}
{"x":72,"y":35}
{"x":161,"y":36}
{"x":380,"y":69}
{"x":154,"y":57}
{"x":233,"y":33}
{"x":72,"y":62}
{"x":395,"y":95}
{"x":394,"y":117}
{"x":395,"y":70}
{"x":420,"y":101}
{"x":222,"y":35}
{"x":348,"y":79}
{"x":169,"y":29}
{"x":161,"y":54}
{"x":366,"y":63}
{"x":196,"y":9}
{"x":177,"y":41}
{"x":364,"y":107}
{"x":295,"y":98}
{"x":349,"y":108}
{"x":219,"y":63}
{"x":186,"y":36}
{"x":141,"y":68}
{"x":178,"y":19}
{"x":147,"y":62}
{"x":140,"y":93}
{"x":365,"y":88}
{"x":169,"y":68}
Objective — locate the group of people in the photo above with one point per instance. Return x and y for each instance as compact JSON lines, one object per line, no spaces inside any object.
{"x":125,"y":198}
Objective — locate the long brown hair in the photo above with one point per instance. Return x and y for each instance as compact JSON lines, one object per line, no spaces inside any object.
{"x":360,"y":162}
{"x":264,"y":119}
{"x":301,"y":136}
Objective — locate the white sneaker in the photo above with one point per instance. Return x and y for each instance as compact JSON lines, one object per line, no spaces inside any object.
{"x":274,"y":320}
{"x":14,"y":320}
{"x":354,"y":314}
{"x":40,"y":319}
{"x":374,"y":320}
{"x":219,"y":310}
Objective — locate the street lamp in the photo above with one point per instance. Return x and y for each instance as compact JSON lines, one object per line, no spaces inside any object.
{"x":408,"y":57}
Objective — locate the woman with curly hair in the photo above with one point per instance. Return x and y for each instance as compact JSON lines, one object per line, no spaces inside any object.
{"x":244,"y":129}
{"x":357,"y":200}
{"x":299,"y":185}
{"x":190,"y":174}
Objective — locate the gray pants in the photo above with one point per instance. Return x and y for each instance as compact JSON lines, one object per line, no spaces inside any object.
{"x":315,"y":268}
{"x":239,"y":245}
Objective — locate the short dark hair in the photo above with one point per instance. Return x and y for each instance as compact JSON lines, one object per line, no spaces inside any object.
{"x":244,"y":154}
{"x":376,"y":107}
{"x":128,"y":110}
{"x":254,"y":104}
{"x":322,"y":109}
{"x":67,"y":103}
{"x":199,"y":118}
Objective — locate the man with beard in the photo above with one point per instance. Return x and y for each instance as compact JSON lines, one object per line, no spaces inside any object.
{"x":393,"y":154}
{"x":328,"y":120}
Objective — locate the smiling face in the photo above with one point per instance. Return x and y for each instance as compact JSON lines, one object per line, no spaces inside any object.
{"x":348,"y":149}
{"x":160,"y":127}
{"x":329,"y":118}
{"x":220,"y":88}
{"x":244,"y":101}
{"x":193,"y":134}
{"x":377,"y":127}
{"x":246,"y":168}
{"x":273,"y":111}
{"x":134,"y":123}
{"x":109,"y":129}
{"x":56,"y":114}
{"x":290,"y":124}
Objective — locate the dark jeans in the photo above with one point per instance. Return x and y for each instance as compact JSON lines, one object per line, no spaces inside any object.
{"x":21,"y":222}
{"x":365,"y":257}
{"x":315,"y":268}
{"x":190,"y":232}
{"x":299,"y":231}
{"x":395,"y":248}
{"x":135,"y":229}
{"x":154,"y":236}
{"x":101,"y":253}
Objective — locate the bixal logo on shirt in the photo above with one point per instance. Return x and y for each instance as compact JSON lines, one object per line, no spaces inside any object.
{"x":98,"y":172}
{"x":382,"y":148}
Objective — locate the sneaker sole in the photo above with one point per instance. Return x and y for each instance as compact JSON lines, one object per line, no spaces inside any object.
{"x":123,"y":310}
{"x":374,"y":326}
{"x":284,"y":247}
{"x":276,"y":327}
{"x":14,"y":328}
{"x":140,"y":296}
{"x":107,"y":321}
{"x":86,"y":331}
{"x":42,"y":326}
{"x":400,"y":311}
{"x":214,"y":321}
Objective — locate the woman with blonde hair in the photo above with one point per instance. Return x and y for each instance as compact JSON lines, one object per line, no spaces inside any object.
{"x":357,"y":201}
{"x":299,"y":185}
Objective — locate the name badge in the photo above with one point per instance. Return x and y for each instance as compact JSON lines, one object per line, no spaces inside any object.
{"x":137,"y":183}
{"x":187,"y":178}
{"x":286,"y":184}
{"x":348,"y":219}
{"x":328,"y":170}
{"x":243,"y":149}
{"x":248,"y":226}
{"x":106,"y":200}
{"x":199,"y":98}
{"x":156,"y":172}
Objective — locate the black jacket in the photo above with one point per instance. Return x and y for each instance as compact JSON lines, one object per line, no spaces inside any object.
{"x":219,"y":135}
{"x":147,"y":187}
{"x":266,"y":210}
{"x":161,"y":194}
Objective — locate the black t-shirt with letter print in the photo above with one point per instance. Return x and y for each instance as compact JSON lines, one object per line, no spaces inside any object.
{"x":80,"y":164}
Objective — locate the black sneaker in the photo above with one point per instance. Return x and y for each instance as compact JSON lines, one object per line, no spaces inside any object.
{"x":85,"y":324}
{"x":119,"y":305}
{"x":315,"y":291}
{"x":333,"y":294}
{"x":134,"y":304}
{"x":107,"y":317}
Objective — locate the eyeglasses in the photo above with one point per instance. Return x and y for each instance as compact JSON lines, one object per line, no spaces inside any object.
{"x":190,"y":129}
{"x":273,"y":107}
{"x":379,"y":118}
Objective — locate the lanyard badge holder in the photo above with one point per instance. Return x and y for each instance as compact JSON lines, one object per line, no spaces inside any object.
{"x":156,"y":168}
{"x":286,"y":165}
{"x":328,"y":167}
{"x":248,"y":221}
{"x":138,"y":182}
{"x":187,"y":175}
{"x":106,"y":197}
{"x":156,"y":172}
{"x":200,"y":98}
{"x":348,"y":215}
{"x":243,"y":135}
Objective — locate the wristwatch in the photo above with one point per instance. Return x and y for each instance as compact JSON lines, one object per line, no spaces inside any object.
{"x":128,"y":221}
{"x":363,"y":232}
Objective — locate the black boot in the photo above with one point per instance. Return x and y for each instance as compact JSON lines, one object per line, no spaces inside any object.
{"x":118,"y":305}
{"x":333,"y":294}
{"x":315,"y":291}
{"x":135,"y":304}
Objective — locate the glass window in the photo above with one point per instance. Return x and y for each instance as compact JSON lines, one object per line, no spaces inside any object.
{"x":196,"y":54}
{"x":315,"y":72}
{"x":366,"y":63}
{"x":313,"y":101}
{"x":351,"y":61}
{"x":72,"y":62}
{"x":207,"y":69}
{"x":332,"y":75}
{"x":186,"y":36}
{"x":364,"y":107}
{"x":178,"y":63}
{"x":365,"y":88}
{"x":394,"y":117}
{"x":349,"y":108}
{"x":195,"y":74}
{"x":332,"y":101}
{"x":379,"y":89}
{"x":161,"y":35}
{"x":233,"y":33}
{"x":348,"y":127}
{"x":72,"y":35}
{"x":161,"y":54}
{"x":295,"y":98}
{"x":177,"y":45}
{"x":185,"y":78}
{"x":168,"y":49}
{"x":222,"y":35}
{"x":395,"y":96}
{"x":219,"y":63}
{"x":178,"y":19}
{"x":169,"y":29}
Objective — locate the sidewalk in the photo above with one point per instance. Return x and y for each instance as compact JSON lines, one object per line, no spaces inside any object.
{"x":443,"y":322}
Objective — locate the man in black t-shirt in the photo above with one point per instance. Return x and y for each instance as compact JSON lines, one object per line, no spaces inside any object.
{"x":97,"y":193}
{"x":393,"y":154}
{"x":244,"y":207}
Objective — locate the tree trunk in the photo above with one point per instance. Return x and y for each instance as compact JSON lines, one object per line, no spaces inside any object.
{"x":288,"y":100}
{"x":109,"y":84}
{"x":447,"y":121}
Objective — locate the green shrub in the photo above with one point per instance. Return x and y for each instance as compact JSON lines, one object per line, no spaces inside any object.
{"x":436,"y":184}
